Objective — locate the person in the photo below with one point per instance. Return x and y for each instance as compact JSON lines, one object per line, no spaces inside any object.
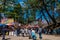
{"x":26,"y":32}
{"x":40,"y":33}
{"x":18,"y":31}
{"x":22,"y":30}
{"x":33,"y":34}
{"x":29,"y":32}
{"x":15,"y":30}
{"x":3,"y":38}
{"x":3,"y":32}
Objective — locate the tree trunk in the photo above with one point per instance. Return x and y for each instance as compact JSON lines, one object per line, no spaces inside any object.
{"x":44,"y":17}
{"x":53,"y":19}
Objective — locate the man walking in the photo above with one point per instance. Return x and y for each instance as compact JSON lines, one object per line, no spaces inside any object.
{"x":40,"y":33}
{"x":33,"y":34}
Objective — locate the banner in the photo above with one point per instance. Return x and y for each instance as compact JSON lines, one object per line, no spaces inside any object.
{"x":7,"y":21}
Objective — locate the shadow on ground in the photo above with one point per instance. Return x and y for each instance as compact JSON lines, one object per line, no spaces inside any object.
{"x":46,"y":39}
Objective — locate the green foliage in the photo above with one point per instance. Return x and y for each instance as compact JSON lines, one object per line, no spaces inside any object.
{"x":11,"y":9}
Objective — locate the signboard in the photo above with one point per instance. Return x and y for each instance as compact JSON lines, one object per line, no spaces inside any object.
{"x":7,"y":21}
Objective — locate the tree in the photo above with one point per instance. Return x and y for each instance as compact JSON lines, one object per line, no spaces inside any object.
{"x":7,"y":7}
{"x":19,"y":13}
{"x":42,"y":5}
{"x":35,"y":5}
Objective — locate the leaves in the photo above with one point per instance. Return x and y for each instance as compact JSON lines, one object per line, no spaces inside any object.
{"x":10,"y":8}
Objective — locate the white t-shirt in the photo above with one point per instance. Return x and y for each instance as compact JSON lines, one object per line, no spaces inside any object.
{"x":33,"y":31}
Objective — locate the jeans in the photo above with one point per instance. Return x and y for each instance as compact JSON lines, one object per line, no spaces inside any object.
{"x":40,"y":35}
{"x":15,"y":32}
{"x":34,"y":37}
{"x":3,"y":32}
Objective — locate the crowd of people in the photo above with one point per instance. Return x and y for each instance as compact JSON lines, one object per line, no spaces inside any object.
{"x":26,"y":31}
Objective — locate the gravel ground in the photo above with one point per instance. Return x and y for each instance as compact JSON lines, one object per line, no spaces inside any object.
{"x":45,"y":37}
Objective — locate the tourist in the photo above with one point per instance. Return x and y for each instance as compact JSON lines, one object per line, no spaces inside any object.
{"x":40,"y":33}
{"x":29,"y":32}
{"x":33,"y":34}
{"x":22,"y":30}
{"x":26,"y":31}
